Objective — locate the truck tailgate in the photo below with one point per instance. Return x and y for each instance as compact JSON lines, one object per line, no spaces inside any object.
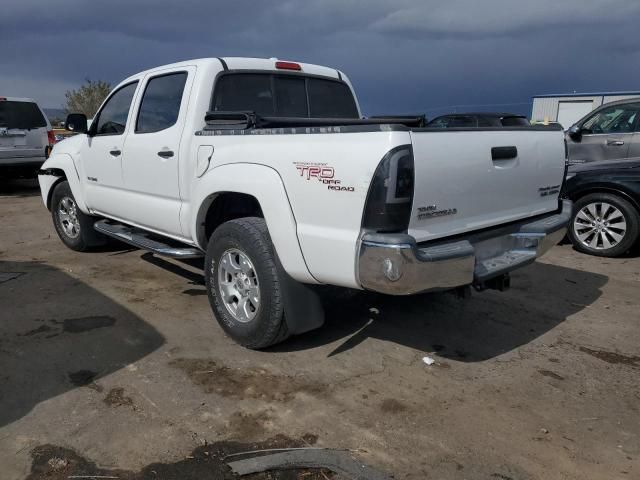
{"x":469,"y":180}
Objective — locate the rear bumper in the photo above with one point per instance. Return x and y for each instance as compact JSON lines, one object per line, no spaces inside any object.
{"x":394,"y":264}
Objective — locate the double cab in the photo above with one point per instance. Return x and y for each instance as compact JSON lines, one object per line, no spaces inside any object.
{"x":269,"y":171}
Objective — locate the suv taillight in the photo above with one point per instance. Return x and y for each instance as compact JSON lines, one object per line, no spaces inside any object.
{"x":388,"y":206}
{"x":51,"y":138}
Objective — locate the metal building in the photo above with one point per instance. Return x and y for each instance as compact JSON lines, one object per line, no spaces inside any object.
{"x":567,"y":109}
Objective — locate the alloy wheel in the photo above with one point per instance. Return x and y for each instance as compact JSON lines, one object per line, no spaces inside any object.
{"x":68,"y":217}
{"x":599,"y":226}
{"x":238,"y":285}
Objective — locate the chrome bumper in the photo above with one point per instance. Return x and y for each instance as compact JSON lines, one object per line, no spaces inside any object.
{"x":394,"y":264}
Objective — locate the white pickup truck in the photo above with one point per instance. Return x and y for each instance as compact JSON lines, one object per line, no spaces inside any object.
{"x":267,"y":169}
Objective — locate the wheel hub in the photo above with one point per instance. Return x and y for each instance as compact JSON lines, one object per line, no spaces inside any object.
{"x":238,"y":285}
{"x":68,"y":216}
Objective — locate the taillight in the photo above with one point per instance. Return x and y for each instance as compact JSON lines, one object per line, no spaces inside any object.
{"x":51,"y":138}
{"x":388,"y":206}
{"x":288,"y":66}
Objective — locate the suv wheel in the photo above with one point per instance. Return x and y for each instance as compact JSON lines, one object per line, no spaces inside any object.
{"x":603,"y":224}
{"x":74,"y":227}
{"x":243,"y":285}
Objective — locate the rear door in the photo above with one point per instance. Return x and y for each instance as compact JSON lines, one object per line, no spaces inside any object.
{"x":469,"y":180}
{"x":606,"y":135}
{"x":153,"y":150}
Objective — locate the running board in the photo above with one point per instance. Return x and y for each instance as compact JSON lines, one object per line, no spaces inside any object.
{"x":145,"y":240}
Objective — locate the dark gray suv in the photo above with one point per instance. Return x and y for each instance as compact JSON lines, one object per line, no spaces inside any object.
{"x":610,"y":132}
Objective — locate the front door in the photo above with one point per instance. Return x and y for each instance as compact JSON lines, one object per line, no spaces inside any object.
{"x":606,"y":135}
{"x":151,"y":165}
{"x":103,"y":151}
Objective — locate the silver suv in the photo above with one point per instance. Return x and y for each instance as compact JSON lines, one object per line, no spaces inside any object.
{"x":25,"y":136}
{"x":610,"y":132}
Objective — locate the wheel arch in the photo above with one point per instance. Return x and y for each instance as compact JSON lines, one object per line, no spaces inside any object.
{"x":610,"y":189}
{"x":252,"y":190}
{"x":58,"y":168}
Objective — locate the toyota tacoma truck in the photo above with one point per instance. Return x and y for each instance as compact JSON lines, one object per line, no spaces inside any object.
{"x":269,"y":171}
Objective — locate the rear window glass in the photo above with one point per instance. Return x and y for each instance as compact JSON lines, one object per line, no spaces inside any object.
{"x":283,"y":96}
{"x":462,"y":122}
{"x":489,"y":122}
{"x":329,"y":99}
{"x":291,"y":96}
{"x":515,"y":122}
{"x":22,"y":115}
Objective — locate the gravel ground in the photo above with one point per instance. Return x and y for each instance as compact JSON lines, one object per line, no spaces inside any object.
{"x":112,"y":362}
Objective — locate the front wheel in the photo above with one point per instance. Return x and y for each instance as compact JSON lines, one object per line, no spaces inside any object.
{"x":243,"y":285}
{"x":604,"y":225}
{"x":74,"y":227}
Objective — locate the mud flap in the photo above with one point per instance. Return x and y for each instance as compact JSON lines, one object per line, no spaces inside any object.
{"x":303,"y":310}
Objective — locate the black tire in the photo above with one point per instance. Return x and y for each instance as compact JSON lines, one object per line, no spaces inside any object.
{"x":250,"y":237}
{"x":83,"y":237}
{"x":621,"y":246}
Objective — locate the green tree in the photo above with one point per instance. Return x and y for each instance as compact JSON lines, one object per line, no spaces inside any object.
{"x":87,"y":98}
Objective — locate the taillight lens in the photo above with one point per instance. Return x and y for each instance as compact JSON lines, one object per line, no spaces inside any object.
{"x":388,"y":206}
{"x":51,"y":138}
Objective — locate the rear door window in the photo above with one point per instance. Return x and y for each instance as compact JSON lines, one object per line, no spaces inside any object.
{"x":161,"y":101}
{"x":21,"y":115}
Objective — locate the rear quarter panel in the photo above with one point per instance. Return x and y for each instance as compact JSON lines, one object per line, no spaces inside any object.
{"x":326,"y":177}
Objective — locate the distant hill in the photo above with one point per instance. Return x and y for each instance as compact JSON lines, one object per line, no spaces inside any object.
{"x":54,"y":113}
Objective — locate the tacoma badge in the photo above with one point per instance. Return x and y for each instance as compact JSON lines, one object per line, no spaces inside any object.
{"x":431,"y":211}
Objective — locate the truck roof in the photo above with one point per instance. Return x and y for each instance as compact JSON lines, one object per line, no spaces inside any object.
{"x":244,"y":63}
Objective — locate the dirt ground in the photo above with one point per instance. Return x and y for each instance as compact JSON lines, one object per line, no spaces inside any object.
{"x":112,"y":362}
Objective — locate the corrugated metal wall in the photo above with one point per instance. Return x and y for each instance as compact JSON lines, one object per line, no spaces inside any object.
{"x":547,"y":107}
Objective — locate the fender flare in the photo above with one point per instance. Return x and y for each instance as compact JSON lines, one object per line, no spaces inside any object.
{"x":57,"y":167}
{"x":266,"y":186}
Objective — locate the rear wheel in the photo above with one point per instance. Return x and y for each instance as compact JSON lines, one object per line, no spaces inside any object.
{"x":243,"y":285}
{"x":74,"y":227}
{"x":603,"y":224}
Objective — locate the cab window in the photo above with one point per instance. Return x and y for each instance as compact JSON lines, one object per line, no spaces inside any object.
{"x":616,"y":119}
{"x":112,"y":119}
{"x":160,"y":104}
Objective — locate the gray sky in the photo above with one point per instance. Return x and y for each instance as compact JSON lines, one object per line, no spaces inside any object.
{"x":403,"y":56}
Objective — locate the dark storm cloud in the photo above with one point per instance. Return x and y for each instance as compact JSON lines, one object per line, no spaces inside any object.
{"x":402,"y":55}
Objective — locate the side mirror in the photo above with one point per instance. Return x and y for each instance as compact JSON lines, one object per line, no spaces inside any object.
{"x":575,"y":132}
{"x":76,"y":123}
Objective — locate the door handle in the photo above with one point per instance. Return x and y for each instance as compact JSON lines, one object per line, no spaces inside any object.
{"x":115,"y":152}
{"x":615,"y":143}
{"x":165,"y":153}
{"x":503,"y":153}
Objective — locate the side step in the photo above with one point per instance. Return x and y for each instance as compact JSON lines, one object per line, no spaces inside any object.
{"x":146,"y":240}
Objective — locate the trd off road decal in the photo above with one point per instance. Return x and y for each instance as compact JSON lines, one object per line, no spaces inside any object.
{"x":323,"y":173}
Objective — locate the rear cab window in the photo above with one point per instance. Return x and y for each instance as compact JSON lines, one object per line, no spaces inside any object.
{"x":161,"y":101}
{"x":21,"y":115}
{"x":283,"y":95}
